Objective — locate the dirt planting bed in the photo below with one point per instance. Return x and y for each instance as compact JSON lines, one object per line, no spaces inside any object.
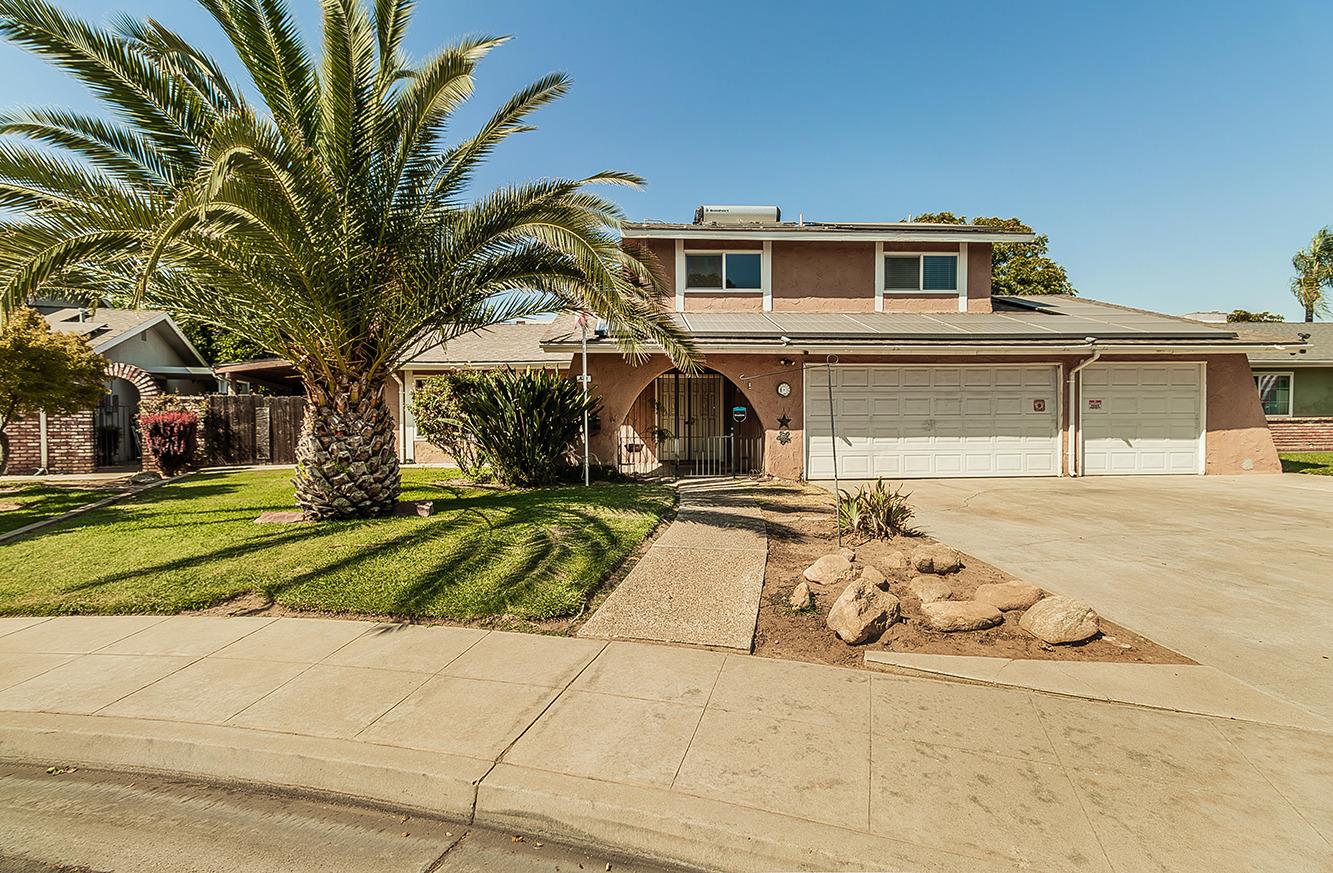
{"x":801,"y":529}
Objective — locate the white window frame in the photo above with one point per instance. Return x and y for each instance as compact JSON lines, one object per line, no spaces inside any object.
{"x":765,"y":253}
{"x":961,"y":276}
{"x":1291,"y":391}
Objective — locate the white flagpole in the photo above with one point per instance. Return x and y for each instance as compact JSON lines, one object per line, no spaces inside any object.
{"x":583,"y":328}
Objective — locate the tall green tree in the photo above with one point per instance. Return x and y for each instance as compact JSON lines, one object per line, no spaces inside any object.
{"x":1314,"y":274}
{"x":1016,"y":268}
{"x":333,"y":223}
{"x":42,"y":370}
{"x":1238,"y":316}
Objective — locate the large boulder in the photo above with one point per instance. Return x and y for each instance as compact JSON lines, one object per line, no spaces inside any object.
{"x":829,"y":569}
{"x":801,"y":597}
{"x":960,"y":615}
{"x":871,"y":574}
{"x":929,"y":589}
{"x":1058,"y":619}
{"x":936,"y":559}
{"x":1008,"y":595}
{"x":862,"y":612}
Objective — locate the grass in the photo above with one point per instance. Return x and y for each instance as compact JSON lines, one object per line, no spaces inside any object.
{"x":193,"y":544}
{"x":1318,"y":463}
{"x":37,"y":502}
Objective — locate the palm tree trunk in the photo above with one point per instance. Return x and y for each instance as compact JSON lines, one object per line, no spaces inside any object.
{"x":1309,"y":312}
{"x":346,"y":465}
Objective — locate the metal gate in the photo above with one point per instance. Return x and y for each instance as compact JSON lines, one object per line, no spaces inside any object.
{"x":677,"y":457}
{"x":116,"y":430}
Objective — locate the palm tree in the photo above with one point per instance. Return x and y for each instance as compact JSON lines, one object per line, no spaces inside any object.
{"x":1314,"y":274}
{"x":332,"y":225}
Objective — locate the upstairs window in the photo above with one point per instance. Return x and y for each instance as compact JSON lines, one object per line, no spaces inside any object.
{"x":724,"y":271}
{"x":1274,"y":392}
{"x":905,"y":274}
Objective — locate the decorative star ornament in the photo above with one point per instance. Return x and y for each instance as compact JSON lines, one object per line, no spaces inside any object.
{"x":784,"y":421}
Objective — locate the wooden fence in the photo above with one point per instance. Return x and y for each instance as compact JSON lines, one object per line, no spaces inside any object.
{"x":252,"y":429}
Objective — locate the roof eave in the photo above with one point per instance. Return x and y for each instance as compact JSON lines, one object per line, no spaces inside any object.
{"x":776,"y":234}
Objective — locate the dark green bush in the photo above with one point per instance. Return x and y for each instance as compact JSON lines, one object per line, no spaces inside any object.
{"x":526,"y":423}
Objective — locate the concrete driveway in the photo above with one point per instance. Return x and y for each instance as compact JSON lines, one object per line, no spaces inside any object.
{"x":1233,"y":571}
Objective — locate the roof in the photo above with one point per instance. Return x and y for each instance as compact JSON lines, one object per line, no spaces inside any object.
{"x":518,"y":345}
{"x":105,"y":328}
{"x":1044,"y":321}
{"x":844,"y":231}
{"x":1319,"y":350}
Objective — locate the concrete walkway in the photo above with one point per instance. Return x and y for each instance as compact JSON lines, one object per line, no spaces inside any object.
{"x":719,"y":761}
{"x":700,"y":582}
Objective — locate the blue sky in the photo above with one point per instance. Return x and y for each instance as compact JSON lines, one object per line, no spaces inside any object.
{"x":1176,"y":153}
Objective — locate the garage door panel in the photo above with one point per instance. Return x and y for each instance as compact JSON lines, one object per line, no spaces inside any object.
{"x":918,"y":421}
{"x":1142,"y":419}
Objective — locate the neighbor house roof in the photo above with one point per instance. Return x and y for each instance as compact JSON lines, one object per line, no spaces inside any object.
{"x":842,"y":231}
{"x":516,"y":345}
{"x":1318,"y":350}
{"x":1046,"y":321}
{"x":105,"y":328}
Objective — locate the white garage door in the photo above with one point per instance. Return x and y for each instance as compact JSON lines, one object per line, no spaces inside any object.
{"x":904,"y":422}
{"x":1142,"y":419}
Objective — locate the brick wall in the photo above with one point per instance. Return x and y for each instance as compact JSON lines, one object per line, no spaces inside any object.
{"x":1302,"y":433}
{"x":71,"y":447}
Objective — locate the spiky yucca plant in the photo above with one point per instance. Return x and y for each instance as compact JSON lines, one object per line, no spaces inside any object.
{"x":333,"y":224}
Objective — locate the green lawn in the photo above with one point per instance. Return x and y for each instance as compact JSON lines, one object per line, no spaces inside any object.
{"x":36,"y":502}
{"x":192,"y":544}
{"x":1319,"y":463}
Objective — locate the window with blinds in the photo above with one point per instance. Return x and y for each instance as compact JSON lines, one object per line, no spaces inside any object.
{"x":909,"y":273}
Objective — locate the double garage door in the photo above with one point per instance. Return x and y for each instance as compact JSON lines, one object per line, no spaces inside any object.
{"x":960,"y":421}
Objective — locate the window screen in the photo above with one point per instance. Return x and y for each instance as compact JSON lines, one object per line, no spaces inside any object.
{"x":742,"y":270}
{"x":902,"y":273}
{"x":939,"y":273}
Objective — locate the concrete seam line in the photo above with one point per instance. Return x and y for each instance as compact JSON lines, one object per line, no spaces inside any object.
{"x":703,"y":710}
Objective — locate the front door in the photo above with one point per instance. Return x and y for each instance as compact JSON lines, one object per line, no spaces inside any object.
{"x":689,"y":416}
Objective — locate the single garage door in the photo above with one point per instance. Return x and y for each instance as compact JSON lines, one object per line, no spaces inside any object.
{"x":929,"y":421}
{"x":1142,"y":419}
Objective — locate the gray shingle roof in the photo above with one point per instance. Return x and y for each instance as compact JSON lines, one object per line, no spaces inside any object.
{"x":514,"y":344}
{"x":103,"y":326}
{"x":1320,"y":348}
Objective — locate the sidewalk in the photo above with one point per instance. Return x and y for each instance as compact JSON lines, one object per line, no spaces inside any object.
{"x":719,"y":761}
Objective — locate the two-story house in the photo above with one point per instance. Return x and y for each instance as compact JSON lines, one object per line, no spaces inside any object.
{"x":881,"y":345}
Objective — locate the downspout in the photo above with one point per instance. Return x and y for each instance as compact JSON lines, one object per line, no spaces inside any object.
{"x":1073,"y":374}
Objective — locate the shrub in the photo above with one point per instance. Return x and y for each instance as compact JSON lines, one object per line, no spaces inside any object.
{"x":876,"y":512}
{"x":526,"y":422}
{"x":171,"y":438}
{"x":440,"y":421}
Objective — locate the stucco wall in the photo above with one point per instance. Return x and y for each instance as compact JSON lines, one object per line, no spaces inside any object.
{"x":1238,"y":440}
{"x":1311,"y":389}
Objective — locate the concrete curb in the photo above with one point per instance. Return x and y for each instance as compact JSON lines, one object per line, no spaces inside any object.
{"x":442,"y":784}
{"x":1195,"y":689}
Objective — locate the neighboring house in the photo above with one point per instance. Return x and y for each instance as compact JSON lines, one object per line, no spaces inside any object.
{"x":928,"y":375}
{"x":148,"y":355}
{"x":1296,"y":385}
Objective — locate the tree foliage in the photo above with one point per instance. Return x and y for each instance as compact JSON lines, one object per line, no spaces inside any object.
{"x":1016,"y":268}
{"x":1314,"y":274}
{"x":1238,"y":316}
{"x":440,"y":420}
{"x":172,"y":438}
{"x":42,"y":370}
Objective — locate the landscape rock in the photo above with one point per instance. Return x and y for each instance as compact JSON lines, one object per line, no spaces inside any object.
{"x":936,"y":559}
{"x":894,"y":560}
{"x":951,"y":616}
{"x":829,"y":569}
{"x":9,"y":506}
{"x":145,"y":477}
{"x":871,"y":574}
{"x":801,"y":597}
{"x":929,"y":589}
{"x":1008,"y":595}
{"x":862,"y":612}
{"x":423,"y":508}
{"x":1057,"y":619}
{"x":849,"y":554}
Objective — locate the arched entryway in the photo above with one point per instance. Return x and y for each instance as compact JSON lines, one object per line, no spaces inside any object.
{"x":116,"y":420}
{"x":690,"y":424}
